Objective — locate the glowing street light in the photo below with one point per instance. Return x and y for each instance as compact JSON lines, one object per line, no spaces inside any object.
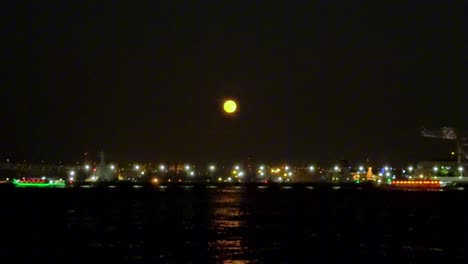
{"x":361,"y":168}
{"x":87,"y":167}
{"x":162,"y":167}
{"x":112,"y":167}
{"x":72,"y":173}
{"x":212,"y":168}
{"x":337,"y":168}
{"x":311,"y":168}
{"x":137,"y":167}
{"x":410,"y":168}
{"x":187,"y":167}
{"x":230,"y":106}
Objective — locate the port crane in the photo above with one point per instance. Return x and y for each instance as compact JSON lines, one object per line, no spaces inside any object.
{"x":449,"y":133}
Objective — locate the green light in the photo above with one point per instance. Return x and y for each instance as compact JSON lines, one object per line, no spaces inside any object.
{"x":32,"y":184}
{"x":358,"y":182}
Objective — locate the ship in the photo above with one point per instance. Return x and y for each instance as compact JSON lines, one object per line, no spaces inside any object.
{"x":35,"y":182}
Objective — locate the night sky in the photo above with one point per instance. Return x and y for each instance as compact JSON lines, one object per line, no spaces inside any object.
{"x":314,"y":82}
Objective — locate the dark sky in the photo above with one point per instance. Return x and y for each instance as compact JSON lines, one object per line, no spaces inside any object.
{"x":316,"y":81}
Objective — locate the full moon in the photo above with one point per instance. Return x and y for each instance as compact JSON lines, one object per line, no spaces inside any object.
{"x":230,"y":106}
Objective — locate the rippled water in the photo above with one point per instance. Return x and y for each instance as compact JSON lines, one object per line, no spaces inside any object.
{"x":233,"y":225}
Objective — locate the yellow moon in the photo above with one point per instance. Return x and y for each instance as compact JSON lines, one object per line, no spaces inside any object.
{"x":230,"y":106}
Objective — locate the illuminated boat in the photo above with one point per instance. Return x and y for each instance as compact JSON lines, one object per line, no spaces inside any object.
{"x":38,"y":183}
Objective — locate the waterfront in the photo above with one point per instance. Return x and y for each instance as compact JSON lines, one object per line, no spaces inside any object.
{"x":240,"y":224}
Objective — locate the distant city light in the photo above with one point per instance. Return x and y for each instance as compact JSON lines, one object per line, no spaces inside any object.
{"x":386,"y":168}
{"x":286,"y":168}
{"x":435,"y":169}
{"x":361,"y":168}
{"x":187,"y":167}
{"x":337,"y":168}
{"x":137,"y":167}
{"x":311,"y":168}
{"x":87,"y":167}
{"x":236,"y":167}
{"x":410,"y":168}
{"x":192,"y":173}
{"x":112,"y":167}
{"x":162,"y":167}
{"x":212,"y":167}
{"x":72,"y":173}
{"x":262,"y":167}
{"x":460,"y":168}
